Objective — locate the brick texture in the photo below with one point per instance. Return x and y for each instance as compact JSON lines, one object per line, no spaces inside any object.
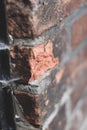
{"x":49,"y":55}
{"x":31,"y":18}
{"x":39,"y":58}
{"x":42,"y":101}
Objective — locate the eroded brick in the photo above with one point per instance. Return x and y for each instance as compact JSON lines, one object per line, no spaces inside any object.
{"x":30,"y":18}
{"x":39,"y":58}
{"x":42,"y":94}
{"x":32,"y":62}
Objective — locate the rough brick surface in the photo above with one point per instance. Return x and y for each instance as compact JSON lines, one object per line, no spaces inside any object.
{"x":45,"y":93}
{"x":30,"y":18}
{"x":32,"y":111}
{"x":39,"y":58}
{"x":48,"y":90}
{"x":36,"y":60}
{"x":51,"y":62}
{"x":42,"y":94}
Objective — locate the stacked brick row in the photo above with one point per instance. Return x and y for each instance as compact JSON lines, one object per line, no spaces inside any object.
{"x":48,"y":54}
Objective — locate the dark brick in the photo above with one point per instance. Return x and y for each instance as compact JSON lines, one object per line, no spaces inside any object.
{"x":31,"y":18}
{"x":30,"y":105}
{"x":42,"y":94}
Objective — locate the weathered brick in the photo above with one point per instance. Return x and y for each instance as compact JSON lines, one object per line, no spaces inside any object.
{"x":43,"y":83}
{"x":46,"y":85}
{"x":30,"y":18}
{"x":42,"y":94}
{"x":41,"y":57}
{"x":48,"y":89}
{"x":38,"y":60}
{"x":79,"y":30}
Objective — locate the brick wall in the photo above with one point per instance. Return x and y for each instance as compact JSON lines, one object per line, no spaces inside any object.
{"x":48,"y":53}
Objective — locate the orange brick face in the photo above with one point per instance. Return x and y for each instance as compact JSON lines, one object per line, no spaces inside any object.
{"x":42,"y":60}
{"x":36,"y":60}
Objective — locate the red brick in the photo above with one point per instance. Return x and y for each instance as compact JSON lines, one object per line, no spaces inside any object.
{"x":39,"y":58}
{"x":79,"y":30}
{"x":52,"y":93}
{"x":51,"y":90}
{"x":33,"y":62}
{"x":31,"y":18}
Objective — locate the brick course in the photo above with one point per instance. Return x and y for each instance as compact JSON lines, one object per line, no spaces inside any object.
{"x":31,"y":18}
{"x":48,"y":54}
